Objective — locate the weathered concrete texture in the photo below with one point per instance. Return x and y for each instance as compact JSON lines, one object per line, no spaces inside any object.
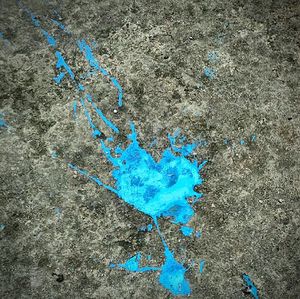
{"x":158,"y":50}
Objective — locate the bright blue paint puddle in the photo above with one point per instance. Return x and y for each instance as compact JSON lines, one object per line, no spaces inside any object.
{"x":187,"y":231}
{"x":201,"y":266}
{"x":209,"y":73}
{"x":251,"y":287}
{"x":2,"y":227}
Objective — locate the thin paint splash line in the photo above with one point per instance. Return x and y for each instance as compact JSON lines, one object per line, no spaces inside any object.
{"x":96,"y":131}
{"x":101,"y":115}
{"x":91,"y":177}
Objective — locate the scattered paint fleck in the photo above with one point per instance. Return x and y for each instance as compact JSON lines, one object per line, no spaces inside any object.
{"x":253,"y":137}
{"x":201,"y":266}
{"x":209,"y":73}
{"x":58,"y":212}
{"x":198,"y":234}
{"x":213,"y":56}
{"x":54,"y":154}
{"x":242,"y":142}
{"x":187,"y":231}
{"x":250,"y":287}
{"x":2,"y":227}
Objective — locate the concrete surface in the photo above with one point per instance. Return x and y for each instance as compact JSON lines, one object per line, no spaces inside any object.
{"x":55,"y":221}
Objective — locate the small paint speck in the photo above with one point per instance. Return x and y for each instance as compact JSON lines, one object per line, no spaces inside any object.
{"x":201,"y":266}
{"x":209,"y":73}
{"x":2,"y":227}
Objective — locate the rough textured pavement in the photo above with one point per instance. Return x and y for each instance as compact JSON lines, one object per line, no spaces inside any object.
{"x":55,"y":221}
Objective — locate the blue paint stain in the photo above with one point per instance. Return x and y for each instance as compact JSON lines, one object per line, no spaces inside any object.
{"x":187,"y":231}
{"x":242,"y":142}
{"x":133,"y":265}
{"x":50,"y":39}
{"x":147,"y":228}
{"x":209,"y":73}
{"x":251,"y":288}
{"x":201,"y":266}
{"x":2,"y":227}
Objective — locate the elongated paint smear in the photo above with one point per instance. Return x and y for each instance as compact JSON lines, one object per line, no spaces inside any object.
{"x":201,"y":266}
{"x":251,"y":288}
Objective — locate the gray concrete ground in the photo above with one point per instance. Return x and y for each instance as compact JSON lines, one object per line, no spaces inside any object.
{"x":54,"y":221}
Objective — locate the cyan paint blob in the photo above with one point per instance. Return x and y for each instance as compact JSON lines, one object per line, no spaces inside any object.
{"x":187,"y":231}
{"x":147,"y":228}
{"x":201,"y":266}
{"x":209,"y":73}
{"x":242,"y":142}
{"x":250,"y":286}
{"x":2,"y":227}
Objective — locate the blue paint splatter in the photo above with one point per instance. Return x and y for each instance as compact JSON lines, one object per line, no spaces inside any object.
{"x":209,"y":73}
{"x":250,"y":287}
{"x":2,"y":227}
{"x":201,"y":266}
{"x":242,"y":142}
{"x":187,"y":231}
{"x":147,"y":228}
